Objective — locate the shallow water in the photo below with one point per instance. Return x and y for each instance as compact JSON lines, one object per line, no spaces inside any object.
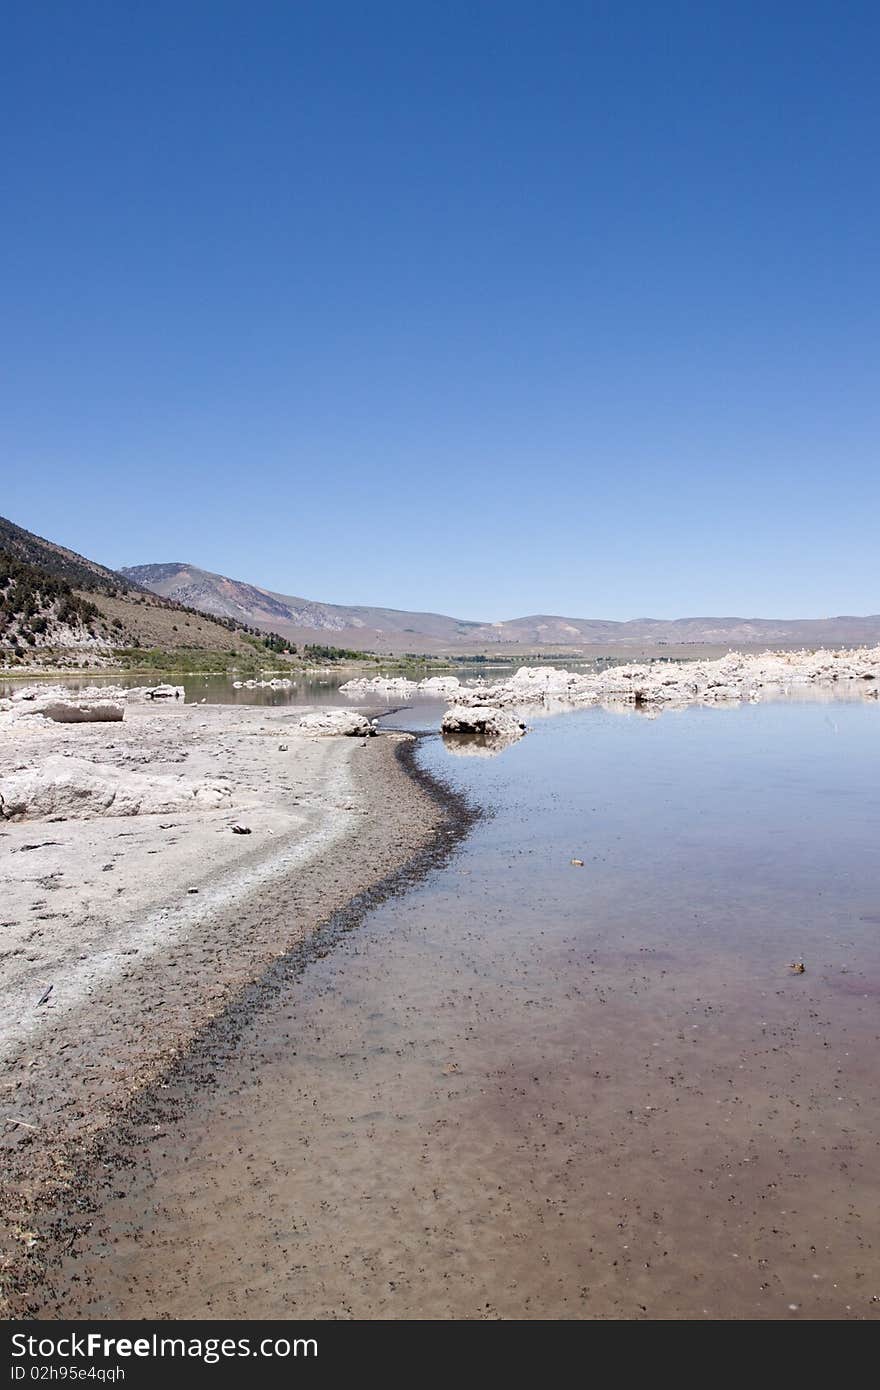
{"x":310,"y":688}
{"x":529,"y":1089}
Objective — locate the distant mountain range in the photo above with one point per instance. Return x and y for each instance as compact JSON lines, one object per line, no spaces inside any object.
{"x":397,"y":630}
{"x":52,"y":597}
{"x":298,"y":618}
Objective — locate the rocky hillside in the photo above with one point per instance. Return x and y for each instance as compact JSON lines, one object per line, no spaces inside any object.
{"x":62,"y":564}
{"x":59,"y":607}
{"x":39,"y":610}
{"x":554,"y":633}
{"x":395,"y":630}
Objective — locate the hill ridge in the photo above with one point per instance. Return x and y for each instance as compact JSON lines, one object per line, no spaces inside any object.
{"x":396,"y":629}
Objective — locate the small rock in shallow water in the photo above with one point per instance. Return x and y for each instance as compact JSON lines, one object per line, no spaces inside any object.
{"x":488,"y":722}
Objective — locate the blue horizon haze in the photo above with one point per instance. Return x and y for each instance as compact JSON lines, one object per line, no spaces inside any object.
{"x":487,"y":309}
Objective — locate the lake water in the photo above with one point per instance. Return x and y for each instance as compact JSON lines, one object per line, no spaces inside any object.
{"x":530,"y":1089}
{"x":315,"y":687}
{"x":311,"y":688}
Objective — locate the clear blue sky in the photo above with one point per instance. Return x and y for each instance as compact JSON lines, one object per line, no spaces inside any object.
{"x":490,"y":308}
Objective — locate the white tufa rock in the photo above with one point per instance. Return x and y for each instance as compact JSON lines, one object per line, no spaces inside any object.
{"x":74,"y":789}
{"x":325,"y":722}
{"x":89,"y":712}
{"x":738,"y":676}
{"x":384,"y":686}
{"x":94,"y":703}
{"x":484,"y":720}
{"x":439,"y":685}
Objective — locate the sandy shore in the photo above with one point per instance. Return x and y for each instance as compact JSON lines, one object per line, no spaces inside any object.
{"x":146,"y":926}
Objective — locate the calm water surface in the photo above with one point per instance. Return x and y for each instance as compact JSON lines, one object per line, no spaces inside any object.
{"x":528,"y":1089}
{"x":307,"y":688}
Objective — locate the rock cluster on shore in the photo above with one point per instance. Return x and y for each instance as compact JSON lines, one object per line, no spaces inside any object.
{"x":383,"y":686}
{"x":276,"y":683}
{"x":736,"y":677}
{"x":94,"y":705}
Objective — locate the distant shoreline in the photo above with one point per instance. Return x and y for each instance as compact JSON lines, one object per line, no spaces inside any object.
{"x":437,"y":662}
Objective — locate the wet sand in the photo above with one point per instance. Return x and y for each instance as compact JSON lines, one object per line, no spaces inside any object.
{"x":530,"y":1090}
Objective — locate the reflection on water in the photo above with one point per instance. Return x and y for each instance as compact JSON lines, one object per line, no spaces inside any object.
{"x":478,"y":745}
{"x":311,"y":688}
{"x":305,"y":688}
